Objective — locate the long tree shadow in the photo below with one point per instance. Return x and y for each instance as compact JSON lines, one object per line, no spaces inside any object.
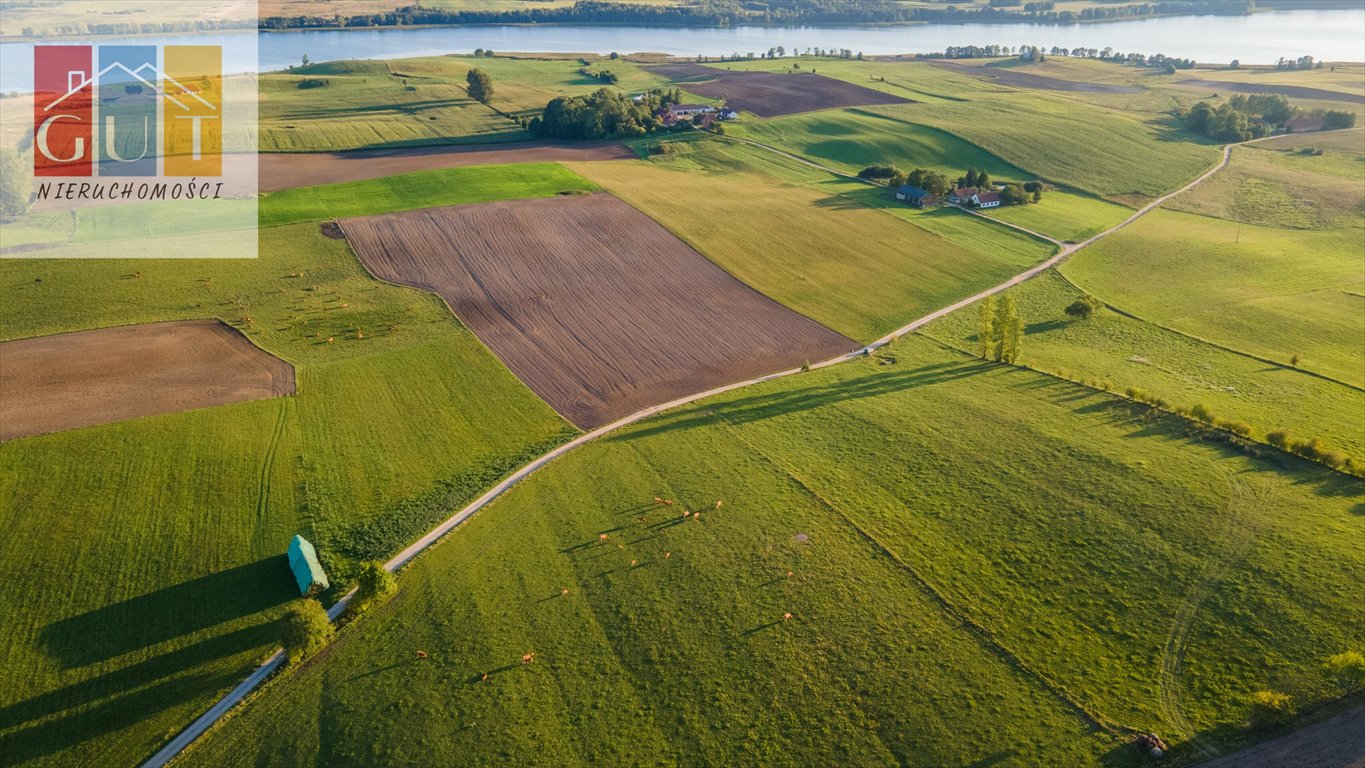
{"x":138,"y":675}
{"x":768,"y":405}
{"x":171,"y":612}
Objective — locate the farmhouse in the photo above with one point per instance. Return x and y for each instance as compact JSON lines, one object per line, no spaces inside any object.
{"x":987,"y":199}
{"x":690,"y":110}
{"x":303,"y":561}
{"x":728,"y":114}
{"x":962,"y":195}
{"x":919,"y":198}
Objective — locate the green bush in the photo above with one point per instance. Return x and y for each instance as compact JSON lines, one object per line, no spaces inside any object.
{"x":1348,"y":668}
{"x":1270,"y":707}
{"x":307,"y":629}
{"x":1279,"y":438}
{"x":373,"y":586}
{"x":1202,"y":413}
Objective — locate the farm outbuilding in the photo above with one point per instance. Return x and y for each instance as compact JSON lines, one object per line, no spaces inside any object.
{"x":919,"y":198}
{"x":303,"y":561}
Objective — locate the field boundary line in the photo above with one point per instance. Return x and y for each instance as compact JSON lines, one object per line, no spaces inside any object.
{"x":1192,"y":337}
{"x":983,"y":633}
{"x":200,"y":725}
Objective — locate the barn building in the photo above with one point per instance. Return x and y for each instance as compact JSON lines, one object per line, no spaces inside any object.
{"x":303,"y":561}
{"x":916,"y":197}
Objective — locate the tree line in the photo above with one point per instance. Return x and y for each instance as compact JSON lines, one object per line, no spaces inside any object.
{"x":723,"y":13}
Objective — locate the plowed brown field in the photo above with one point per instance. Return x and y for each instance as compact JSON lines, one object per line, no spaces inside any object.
{"x":51,"y":383}
{"x":769,"y":94}
{"x":595,"y":306}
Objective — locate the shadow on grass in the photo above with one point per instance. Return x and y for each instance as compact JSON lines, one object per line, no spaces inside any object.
{"x":754,"y":408}
{"x":168,"y":613}
{"x":124,"y":697}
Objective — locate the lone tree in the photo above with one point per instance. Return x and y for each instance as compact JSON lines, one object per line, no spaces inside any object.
{"x":1085,"y":308}
{"x":14,"y":185}
{"x":306,"y":629}
{"x":480,"y":85}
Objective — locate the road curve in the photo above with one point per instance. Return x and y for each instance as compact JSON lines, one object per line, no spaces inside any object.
{"x":185,"y":738}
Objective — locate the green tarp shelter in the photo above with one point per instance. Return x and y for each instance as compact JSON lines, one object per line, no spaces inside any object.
{"x":303,"y":561}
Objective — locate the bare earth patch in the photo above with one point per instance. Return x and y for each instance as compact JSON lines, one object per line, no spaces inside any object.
{"x":51,"y":383}
{"x":768,"y":94}
{"x":601,"y":311}
{"x":287,"y":170}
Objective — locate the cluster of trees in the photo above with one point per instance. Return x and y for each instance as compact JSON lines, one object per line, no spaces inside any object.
{"x":720,"y":13}
{"x":602,"y":76}
{"x":939,"y":184}
{"x":1085,"y":308}
{"x":1019,"y":194}
{"x":1038,"y":53}
{"x":314,"y":82}
{"x":1302,"y":62}
{"x":480,"y":85}
{"x":604,"y":114}
{"x":1000,"y":329}
{"x":1338,"y":118}
{"x":485,"y":52}
{"x":1242,"y":117}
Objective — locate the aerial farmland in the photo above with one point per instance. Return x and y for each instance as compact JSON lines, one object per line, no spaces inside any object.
{"x":805,"y":407}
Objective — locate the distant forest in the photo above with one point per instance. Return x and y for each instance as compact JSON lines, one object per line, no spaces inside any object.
{"x":722,"y":13}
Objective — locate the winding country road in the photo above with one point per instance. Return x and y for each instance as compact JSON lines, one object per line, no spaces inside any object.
{"x":185,"y":738}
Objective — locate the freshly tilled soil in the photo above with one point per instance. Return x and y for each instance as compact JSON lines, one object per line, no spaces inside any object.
{"x":52,"y":383}
{"x":594,"y":305}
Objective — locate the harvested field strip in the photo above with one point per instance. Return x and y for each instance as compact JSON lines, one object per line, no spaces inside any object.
{"x":595,"y":306}
{"x":305,"y":169}
{"x":51,"y":383}
{"x":769,"y":94}
{"x":1029,"y":80}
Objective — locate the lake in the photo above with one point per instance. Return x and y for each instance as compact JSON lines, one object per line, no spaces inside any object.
{"x":1261,"y":38}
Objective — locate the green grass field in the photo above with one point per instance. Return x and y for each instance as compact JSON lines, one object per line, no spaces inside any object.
{"x":850,"y":140}
{"x":419,"y":101}
{"x":148,"y":555}
{"x":805,"y":243}
{"x":1282,"y":188}
{"x":1275,"y":293}
{"x":933,"y":623}
{"x":1132,"y":353}
{"x":364,"y":104}
{"x":1109,"y":151}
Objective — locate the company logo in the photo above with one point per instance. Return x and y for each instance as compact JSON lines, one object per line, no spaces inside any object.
{"x":115,"y":110}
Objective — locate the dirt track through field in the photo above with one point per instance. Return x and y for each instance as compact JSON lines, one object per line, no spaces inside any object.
{"x":286,"y":170}
{"x":596,"y":307}
{"x":51,"y":383}
{"x":1338,"y":742}
{"x":769,"y":94}
{"x":1029,"y":80}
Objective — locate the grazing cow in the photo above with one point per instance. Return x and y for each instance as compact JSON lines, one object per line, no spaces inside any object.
{"x":528,"y":658}
{"x":789,"y":574}
{"x":564,"y":591}
{"x":787,"y":616}
{"x":719,"y":503}
{"x":421,"y":654}
{"x":658,"y":500}
{"x":633,"y":562}
{"x":602,"y":537}
{"x":668,"y":502}
{"x":667,"y":555}
{"x":484,"y":678}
